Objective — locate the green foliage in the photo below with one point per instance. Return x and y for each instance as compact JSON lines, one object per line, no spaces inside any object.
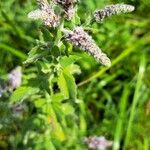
{"x":66,"y":95}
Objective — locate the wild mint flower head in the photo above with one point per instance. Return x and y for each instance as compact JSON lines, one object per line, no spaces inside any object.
{"x":15,"y":78}
{"x":79,"y":38}
{"x":98,"y":143}
{"x":68,"y":6}
{"x":110,"y":10}
{"x":46,"y":14}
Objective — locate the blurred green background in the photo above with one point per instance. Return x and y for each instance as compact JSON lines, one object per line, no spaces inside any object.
{"x":116,"y":100}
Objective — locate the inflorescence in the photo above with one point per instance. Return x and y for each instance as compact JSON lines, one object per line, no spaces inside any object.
{"x":78,"y":37}
{"x":46,"y":14}
{"x":110,"y":10}
{"x":68,"y":6}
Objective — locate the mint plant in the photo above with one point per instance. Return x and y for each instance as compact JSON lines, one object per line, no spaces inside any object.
{"x":54,"y":117}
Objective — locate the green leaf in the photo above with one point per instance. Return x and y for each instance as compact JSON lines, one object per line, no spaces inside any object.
{"x":39,"y":102}
{"x":22,"y":93}
{"x":55,"y":51}
{"x":35,"y":54}
{"x":58,"y":97}
{"x":67,"y":85}
{"x":63,"y":86}
{"x":67,"y":109}
{"x":74,"y":69}
{"x":71,"y":85}
{"x":66,"y":61}
{"x":47,"y":35}
{"x":57,"y":130}
{"x":77,"y":19}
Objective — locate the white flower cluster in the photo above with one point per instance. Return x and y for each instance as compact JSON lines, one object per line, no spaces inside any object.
{"x":110,"y":10}
{"x":98,"y":143}
{"x":46,"y":14}
{"x":78,"y":37}
{"x":68,"y":7}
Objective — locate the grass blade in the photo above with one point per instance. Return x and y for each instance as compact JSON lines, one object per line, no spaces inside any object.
{"x":14,"y":51}
{"x":121,"y":117}
{"x":135,"y":101}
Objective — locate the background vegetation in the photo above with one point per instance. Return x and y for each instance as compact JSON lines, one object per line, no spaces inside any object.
{"x":113,"y":102}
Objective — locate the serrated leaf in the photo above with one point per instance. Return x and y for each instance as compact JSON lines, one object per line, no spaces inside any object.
{"x":67,"y":85}
{"x":22,"y":93}
{"x":34,"y":55}
{"x":66,"y":61}
{"x":57,"y":130}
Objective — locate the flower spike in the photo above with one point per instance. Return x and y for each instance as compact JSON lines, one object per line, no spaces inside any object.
{"x":68,"y":7}
{"x":110,"y":10}
{"x":78,"y":37}
{"x":45,"y":13}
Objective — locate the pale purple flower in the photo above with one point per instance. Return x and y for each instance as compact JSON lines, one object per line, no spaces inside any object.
{"x":46,"y":14}
{"x":110,"y":10}
{"x":78,"y":37}
{"x":15,"y":78}
{"x":98,"y":143}
{"x":68,"y":7}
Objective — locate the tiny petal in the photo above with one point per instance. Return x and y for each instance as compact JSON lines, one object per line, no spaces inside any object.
{"x":110,"y":10}
{"x":78,"y":37}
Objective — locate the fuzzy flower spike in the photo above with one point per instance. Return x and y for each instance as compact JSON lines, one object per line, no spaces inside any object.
{"x":78,"y":37}
{"x":45,"y":13}
{"x":110,"y":10}
{"x":68,"y":6}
